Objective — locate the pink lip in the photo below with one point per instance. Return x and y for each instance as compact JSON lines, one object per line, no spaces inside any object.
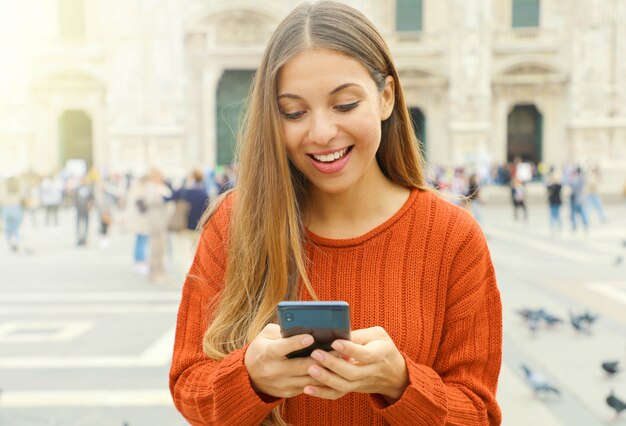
{"x":333,"y":167}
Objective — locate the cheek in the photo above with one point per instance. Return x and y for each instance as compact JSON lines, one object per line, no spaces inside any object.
{"x":366,"y":129}
{"x":291,"y":137}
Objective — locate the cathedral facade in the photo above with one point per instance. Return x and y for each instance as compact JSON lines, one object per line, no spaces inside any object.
{"x":125,"y":85}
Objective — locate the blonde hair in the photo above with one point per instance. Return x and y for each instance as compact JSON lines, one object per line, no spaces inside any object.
{"x":266,"y":262}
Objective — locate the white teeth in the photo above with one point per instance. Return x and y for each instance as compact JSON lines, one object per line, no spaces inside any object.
{"x":331,"y":157}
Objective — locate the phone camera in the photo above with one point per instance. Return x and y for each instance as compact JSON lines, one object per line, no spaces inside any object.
{"x":288,"y":317}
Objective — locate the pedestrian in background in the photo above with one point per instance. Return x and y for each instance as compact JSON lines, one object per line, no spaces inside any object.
{"x":158,"y":215}
{"x":554,"y":201}
{"x":518,"y":196}
{"x":522,"y":170}
{"x":32,"y":197}
{"x":12,"y":212}
{"x":107,"y":196}
{"x":458,"y":186}
{"x":193,"y":192}
{"x":577,"y":199}
{"x":51,"y":191}
{"x":594,"y":201}
{"x":83,"y":202}
{"x":225,"y":179}
{"x":331,"y":203}
{"x":137,"y":222}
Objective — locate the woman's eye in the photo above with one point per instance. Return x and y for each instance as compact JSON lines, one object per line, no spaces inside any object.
{"x":347,"y":107}
{"x":292,"y":115}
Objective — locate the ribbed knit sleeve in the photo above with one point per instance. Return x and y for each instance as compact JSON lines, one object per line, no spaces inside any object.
{"x":460,"y":387}
{"x":206,"y":391}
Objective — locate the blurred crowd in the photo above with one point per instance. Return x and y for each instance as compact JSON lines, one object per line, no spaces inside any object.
{"x":570,"y":184}
{"x":162,"y":213}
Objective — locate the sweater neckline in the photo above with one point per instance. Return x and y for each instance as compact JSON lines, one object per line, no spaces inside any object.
{"x":347,"y":242}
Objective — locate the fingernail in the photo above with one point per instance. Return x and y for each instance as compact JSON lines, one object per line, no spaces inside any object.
{"x":314,"y":371}
{"x":337,"y":346}
{"x":309,"y":390}
{"x":307,"y":340}
{"x":317,"y":356}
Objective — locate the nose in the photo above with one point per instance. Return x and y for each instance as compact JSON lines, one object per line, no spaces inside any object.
{"x":322,"y":129}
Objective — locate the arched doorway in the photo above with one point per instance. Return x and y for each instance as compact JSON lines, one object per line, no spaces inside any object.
{"x":232,"y":92}
{"x":524,"y":129}
{"x":75,"y":137}
{"x":419,"y":125}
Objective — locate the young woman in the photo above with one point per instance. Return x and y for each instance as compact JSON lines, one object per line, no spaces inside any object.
{"x":331,"y":204}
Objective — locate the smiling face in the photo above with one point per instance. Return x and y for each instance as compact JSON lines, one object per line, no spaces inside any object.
{"x":331,"y":115}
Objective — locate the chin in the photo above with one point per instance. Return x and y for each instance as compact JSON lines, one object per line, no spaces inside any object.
{"x":331,"y":188}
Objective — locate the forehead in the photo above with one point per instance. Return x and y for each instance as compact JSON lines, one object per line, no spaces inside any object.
{"x":319,"y":68}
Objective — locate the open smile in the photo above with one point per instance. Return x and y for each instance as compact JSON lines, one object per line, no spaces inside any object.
{"x":331,"y":161}
{"x":331,"y":157}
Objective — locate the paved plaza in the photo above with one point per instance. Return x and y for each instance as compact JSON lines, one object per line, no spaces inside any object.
{"x":86,"y":340}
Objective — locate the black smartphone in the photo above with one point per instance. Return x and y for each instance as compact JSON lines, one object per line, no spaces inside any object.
{"x":325,"y":321}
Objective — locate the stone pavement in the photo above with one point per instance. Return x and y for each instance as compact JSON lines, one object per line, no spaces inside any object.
{"x":568,"y":271}
{"x":85,"y":340}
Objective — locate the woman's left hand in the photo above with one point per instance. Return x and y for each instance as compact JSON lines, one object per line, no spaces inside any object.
{"x":370,"y":363}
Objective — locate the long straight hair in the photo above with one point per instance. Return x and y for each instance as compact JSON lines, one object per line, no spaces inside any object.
{"x":266,"y":262}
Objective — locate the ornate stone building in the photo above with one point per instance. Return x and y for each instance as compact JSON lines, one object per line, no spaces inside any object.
{"x":125,"y":85}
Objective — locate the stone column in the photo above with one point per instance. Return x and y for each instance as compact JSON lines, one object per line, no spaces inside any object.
{"x":502,"y":108}
{"x":554,"y":136}
{"x":195,"y":57}
{"x":470,"y":52}
{"x":208,"y":148}
{"x":44,"y":156}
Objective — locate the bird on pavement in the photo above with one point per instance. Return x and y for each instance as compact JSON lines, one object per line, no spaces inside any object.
{"x":615,"y":403}
{"x":573,"y":319}
{"x":533,"y":317}
{"x":581,"y":323}
{"x":589,"y":317}
{"x":527,"y":313}
{"x":550,"y":319}
{"x":538,"y":383}
{"x":611,"y":367}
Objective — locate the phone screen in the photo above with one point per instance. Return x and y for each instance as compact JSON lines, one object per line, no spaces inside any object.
{"x":325,"y":321}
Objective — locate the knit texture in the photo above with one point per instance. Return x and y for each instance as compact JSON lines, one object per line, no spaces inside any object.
{"x":425,"y":276}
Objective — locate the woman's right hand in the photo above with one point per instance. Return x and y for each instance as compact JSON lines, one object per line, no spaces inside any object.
{"x":270,"y":371}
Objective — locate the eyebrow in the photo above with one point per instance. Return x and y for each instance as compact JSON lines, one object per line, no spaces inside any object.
{"x":332,"y":92}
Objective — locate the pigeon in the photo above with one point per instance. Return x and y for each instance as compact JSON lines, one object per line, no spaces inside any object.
{"x":611,"y":367}
{"x":615,"y":403}
{"x":533,"y":316}
{"x":588,"y":317}
{"x":528,"y":314}
{"x":575,"y":321}
{"x":581,"y":324}
{"x":538,"y":383}
{"x":550,"y":319}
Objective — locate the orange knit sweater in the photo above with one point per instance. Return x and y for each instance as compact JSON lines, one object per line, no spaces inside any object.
{"x":425,"y":276}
